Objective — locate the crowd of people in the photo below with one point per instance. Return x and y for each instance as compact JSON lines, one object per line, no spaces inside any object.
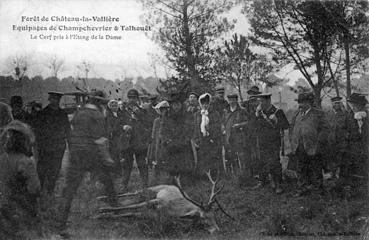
{"x":179,"y":134}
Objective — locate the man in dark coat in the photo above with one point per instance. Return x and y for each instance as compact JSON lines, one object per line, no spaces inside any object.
{"x":338,"y":138}
{"x":52,"y":139}
{"x":234,"y":126}
{"x":89,"y":153}
{"x":191,"y":106}
{"x":308,"y":136}
{"x":358,"y":137}
{"x":208,"y":137}
{"x":253,"y":151}
{"x":218,"y":102}
{"x":135,"y":122}
{"x":270,"y":124}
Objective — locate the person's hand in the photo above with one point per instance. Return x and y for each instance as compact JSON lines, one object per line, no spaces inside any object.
{"x":273,"y":117}
{"x":258,"y":110}
{"x":127,"y":128}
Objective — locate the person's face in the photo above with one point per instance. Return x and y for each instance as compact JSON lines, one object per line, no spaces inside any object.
{"x":232,"y":101}
{"x":192,"y":98}
{"x":28,"y":109}
{"x":253,"y":103}
{"x":205,"y":105}
{"x":220,"y":94}
{"x":163,"y":111}
{"x":152,"y":102}
{"x":337,"y":106}
{"x":355,"y":107}
{"x":304,"y":105}
{"x":54,"y":101}
{"x":133,"y":100}
{"x":264,"y":103}
{"x":114,"y":107}
{"x":176,"y":106}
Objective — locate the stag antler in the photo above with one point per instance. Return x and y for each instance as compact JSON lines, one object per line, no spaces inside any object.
{"x":213,"y":194}
{"x":178,"y":185}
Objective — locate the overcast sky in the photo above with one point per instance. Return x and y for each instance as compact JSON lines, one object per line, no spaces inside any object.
{"x":110,"y":58}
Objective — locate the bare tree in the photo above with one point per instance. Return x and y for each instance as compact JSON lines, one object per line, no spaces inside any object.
{"x":20,"y":67}
{"x":55,"y":65}
{"x":85,"y":67}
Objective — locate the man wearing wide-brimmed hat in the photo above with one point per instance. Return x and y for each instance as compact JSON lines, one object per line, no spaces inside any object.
{"x":89,"y":153}
{"x":53,"y":133}
{"x":308,"y":136}
{"x":270,"y":122}
{"x":359,"y":138}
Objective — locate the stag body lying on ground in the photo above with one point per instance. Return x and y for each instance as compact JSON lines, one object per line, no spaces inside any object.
{"x":173,"y":200}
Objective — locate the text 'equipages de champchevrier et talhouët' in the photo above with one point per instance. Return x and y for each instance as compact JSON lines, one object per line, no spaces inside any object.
{"x":79,"y":28}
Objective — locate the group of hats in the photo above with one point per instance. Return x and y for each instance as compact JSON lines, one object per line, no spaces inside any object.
{"x":356,"y":98}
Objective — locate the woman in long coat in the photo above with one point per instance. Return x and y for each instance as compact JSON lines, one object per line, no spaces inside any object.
{"x":174,"y":146}
{"x":208,"y":137}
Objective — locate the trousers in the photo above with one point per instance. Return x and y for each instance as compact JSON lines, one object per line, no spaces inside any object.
{"x":83,"y":159}
{"x":129,"y":156}
{"x":49,"y":164}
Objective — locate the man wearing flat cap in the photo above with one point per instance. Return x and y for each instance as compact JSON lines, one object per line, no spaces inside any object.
{"x":308,"y":135}
{"x":233,"y":127}
{"x":137,"y":124}
{"x":359,"y":139}
{"x":270,"y":124}
{"x":338,"y":140}
{"x":53,"y":133}
{"x":218,"y":102}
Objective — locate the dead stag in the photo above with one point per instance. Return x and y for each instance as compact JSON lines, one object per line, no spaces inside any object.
{"x":173,"y":200}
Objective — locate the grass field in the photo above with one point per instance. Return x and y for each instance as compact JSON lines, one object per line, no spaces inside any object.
{"x":259,"y":214}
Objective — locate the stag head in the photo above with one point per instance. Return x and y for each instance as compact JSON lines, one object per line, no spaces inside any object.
{"x":205,"y":213}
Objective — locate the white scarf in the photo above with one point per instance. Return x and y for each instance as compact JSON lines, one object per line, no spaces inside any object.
{"x":204,"y":122}
{"x":359,"y":116}
{"x":204,"y":116}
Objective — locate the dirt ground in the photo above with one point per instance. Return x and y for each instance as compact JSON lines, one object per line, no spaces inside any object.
{"x":259,"y":214}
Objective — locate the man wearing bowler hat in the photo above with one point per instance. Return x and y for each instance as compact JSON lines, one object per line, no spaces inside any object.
{"x":308,"y":135}
{"x":53,"y":135}
{"x":270,"y":123}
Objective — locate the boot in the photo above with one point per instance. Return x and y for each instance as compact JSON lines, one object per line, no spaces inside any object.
{"x":103,"y":148}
